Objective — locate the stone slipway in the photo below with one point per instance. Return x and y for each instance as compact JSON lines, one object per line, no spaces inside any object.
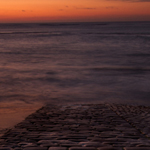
{"x":82,"y":127}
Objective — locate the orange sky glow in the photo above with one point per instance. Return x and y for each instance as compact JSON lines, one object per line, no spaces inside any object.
{"x":74,"y":10}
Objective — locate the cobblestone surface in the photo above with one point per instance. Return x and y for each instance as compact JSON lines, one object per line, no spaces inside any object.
{"x":82,"y":127}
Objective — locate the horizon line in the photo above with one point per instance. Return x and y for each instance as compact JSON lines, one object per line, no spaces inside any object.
{"x":69,"y":22}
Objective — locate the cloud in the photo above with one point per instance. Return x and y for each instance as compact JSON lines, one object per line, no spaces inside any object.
{"x":137,"y":0}
{"x":131,"y":0}
{"x":23,"y":11}
{"x":85,"y":7}
{"x":140,"y":0}
{"x":111,"y":7}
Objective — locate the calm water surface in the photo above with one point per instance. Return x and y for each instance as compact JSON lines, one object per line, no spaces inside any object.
{"x":76,"y":62}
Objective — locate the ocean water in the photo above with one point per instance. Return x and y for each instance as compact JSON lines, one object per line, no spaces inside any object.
{"x":75,"y":62}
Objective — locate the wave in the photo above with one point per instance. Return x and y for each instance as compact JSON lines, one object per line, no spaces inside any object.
{"x":139,"y":55}
{"x":72,"y":32}
{"x":41,"y":33}
{"x":120,"y":68}
{"x":120,"y":33}
{"x":145,"y":36}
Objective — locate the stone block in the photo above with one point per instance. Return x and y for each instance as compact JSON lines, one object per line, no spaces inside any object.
{"x":57,"y":148}
{"x":82,"y":148}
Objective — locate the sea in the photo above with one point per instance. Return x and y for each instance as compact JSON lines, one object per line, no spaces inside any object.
{"x":61,"y":63}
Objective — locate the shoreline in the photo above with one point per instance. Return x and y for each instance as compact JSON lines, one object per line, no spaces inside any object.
{"x":11,"y":113}
{"x":82,"y":126}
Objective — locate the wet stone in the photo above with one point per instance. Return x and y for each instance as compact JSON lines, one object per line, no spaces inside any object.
{"x":57,"y":148}
{"x":74,"y":127}
{"x":69,"y":145}
{"x":90,"y":144}
{"x":109,"y":148}
{"x":5,"y":148}
{"x":82,"y":148}
{"x":26,"y":144}
{"x":137,"y":148}
{"x":35,"y":148}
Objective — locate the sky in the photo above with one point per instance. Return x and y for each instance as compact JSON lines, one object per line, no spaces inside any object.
{"x":73,"y":10}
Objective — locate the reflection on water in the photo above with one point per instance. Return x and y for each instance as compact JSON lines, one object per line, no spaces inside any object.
{"x":13,"y":112}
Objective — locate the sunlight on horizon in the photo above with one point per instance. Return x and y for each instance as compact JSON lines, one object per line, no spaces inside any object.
{"x":71,"y":11}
